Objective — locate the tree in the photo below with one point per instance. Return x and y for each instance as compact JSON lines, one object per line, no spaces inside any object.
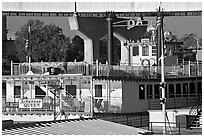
{"x":46,"y":42}
{"x":188,"y":50}
{"x":78,"y":48}
{"x":190,"y":41}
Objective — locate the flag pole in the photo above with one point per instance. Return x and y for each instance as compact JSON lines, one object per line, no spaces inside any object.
{"x":29,"y":58}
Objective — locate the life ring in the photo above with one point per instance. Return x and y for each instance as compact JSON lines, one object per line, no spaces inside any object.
{"x":142,"y":62}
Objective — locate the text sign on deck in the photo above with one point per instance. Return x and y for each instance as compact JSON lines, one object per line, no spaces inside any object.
{"x":30,"y":103}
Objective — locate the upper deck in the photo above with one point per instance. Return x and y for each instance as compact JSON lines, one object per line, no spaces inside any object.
{"x":179,"y":70}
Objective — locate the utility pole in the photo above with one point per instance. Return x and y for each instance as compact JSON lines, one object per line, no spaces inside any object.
{"x":110,"y":16}
{"x":110,"y":37}
{"x":161,"y":55}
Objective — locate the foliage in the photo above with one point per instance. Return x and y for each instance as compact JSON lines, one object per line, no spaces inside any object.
{"x":190,"y":41}
{"x":76,"y":52}
{"x":46,"y":42}
{"x":187,"y":51}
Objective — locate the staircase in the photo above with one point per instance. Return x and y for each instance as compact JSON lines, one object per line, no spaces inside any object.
{"x":196,"y":112}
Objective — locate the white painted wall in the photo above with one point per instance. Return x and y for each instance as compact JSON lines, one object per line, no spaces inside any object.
{"x":157,"y":116}
{"x":10,"y":91}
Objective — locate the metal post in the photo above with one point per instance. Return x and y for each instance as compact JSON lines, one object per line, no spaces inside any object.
{"x":109,"y":95}
{"x":110,"y":37}
{"x":197,"y":72}
{"x":91,"y":99}
{"x":183,"y":67}
{"x":129,"y":55}
{"x":29,"y":62}
{"x":11,"y":67}
{"x":29,"y":43}
{"x":97,"y":67}
{"x":197,"y":56}
{"x":60,"y":101}
{"x":108,"y":84}
{"x":159,"y":24}
{"x":161,"y":43}
{"x":189,"y":68}
{"x":54,"y":105}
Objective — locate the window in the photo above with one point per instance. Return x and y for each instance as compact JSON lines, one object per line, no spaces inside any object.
{"x":39,"y":93}
{"x":145,"y":50}
{"x":3,"y":89}
{"x":149,"y":91}
{"x":171,"y":91}
{"x":136,"y":51}
{"x":71,"y":90}
{"x":98,"y":90}
{"x":156,"y":91}
{"x":154,"y":50}
{"x":185,"y":89}
{"x":166,"y":93}
{"x":178,"y":90}
{"x":192,"y":89}
{"x":17,"y":91}
{"x":199,"y":88}
{"x":141,"y":91}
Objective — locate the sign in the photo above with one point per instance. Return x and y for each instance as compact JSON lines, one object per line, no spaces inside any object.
{"x":130,"y":23}
{"x":30,"y":103}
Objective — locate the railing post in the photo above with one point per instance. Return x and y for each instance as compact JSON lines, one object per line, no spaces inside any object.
{"x":141,"y":121}
{"x":97,"y":67}
{"x":127,"y":120}
{"x":179,"y":129}
{"x":107,"y":68}
{"x":11,"y":67}
{"x":189,"y":68}
{"x":174,"y":101}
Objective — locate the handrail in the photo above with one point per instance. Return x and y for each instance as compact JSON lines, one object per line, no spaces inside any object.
{"x":195,"y":111}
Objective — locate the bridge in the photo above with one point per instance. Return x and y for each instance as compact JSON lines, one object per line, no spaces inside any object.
{"x":98,"y":9}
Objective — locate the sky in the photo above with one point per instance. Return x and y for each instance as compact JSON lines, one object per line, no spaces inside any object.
{"x":178,"y":25}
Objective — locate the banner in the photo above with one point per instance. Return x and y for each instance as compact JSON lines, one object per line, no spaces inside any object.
{"x":30,"y":103}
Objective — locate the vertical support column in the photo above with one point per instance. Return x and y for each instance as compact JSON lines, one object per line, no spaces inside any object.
{"x":22,"y":89}
{"x":159,"y":25}
{"x":60,"y":90}
{"x":162,"y":78}
{"x":91,"y":99}
{"x":30,"y":82}
{"x":107,"y":95}
{"x":97,"y":67}
{"x":110,"y":38}
{"x":160,"y":54}
{"x":11,"y":67}
{"x":47,"y":87}
{"x":189,"y":68}
{"x":129,"y":55}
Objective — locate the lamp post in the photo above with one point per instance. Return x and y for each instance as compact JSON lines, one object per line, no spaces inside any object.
{"x":197,"y":71}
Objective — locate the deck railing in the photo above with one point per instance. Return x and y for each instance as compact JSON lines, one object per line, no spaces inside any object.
{"x":184,"y":100}
{"x":186,"y":69}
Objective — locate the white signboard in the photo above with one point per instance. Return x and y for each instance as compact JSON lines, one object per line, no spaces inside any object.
{"x":30,"y":103}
